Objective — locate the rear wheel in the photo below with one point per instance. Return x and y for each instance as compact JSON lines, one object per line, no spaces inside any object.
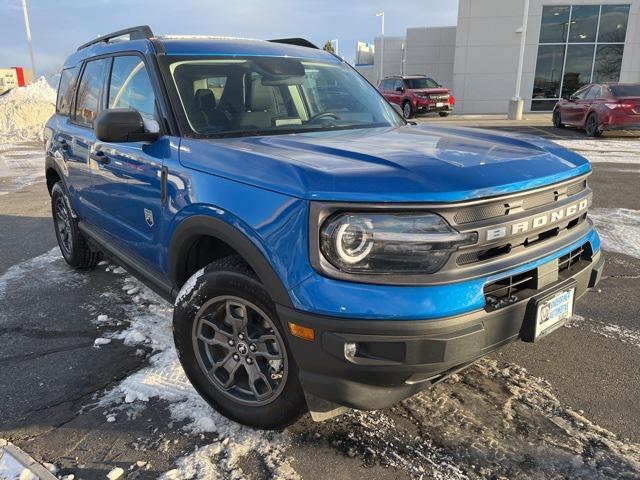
{"x":407,"y":109}
{"x":73,"y":244}
{"x":233,"y":348}
{"x":591,"y":128}
{"x":557,"y":119}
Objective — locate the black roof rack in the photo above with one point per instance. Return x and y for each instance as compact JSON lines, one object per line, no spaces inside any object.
{"x":300,"y":42}
{"x":135,"y":33}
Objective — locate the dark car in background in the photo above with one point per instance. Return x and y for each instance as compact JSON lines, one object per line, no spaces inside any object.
{"x":598,"y":107}
{"x":417,"y":94}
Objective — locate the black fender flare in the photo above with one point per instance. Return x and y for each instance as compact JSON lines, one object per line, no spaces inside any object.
{"x":51,"y":164}
{"x":198,"y":225}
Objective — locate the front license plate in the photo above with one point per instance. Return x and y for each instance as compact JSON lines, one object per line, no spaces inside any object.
{"x":439,"y":105}
{"x":553,"y":311}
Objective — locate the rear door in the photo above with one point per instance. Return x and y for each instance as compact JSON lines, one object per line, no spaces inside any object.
{"x":79,"y":138}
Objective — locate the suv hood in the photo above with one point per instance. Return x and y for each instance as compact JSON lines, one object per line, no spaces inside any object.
{"x":430,"y":91}
{"x":405,"y":164}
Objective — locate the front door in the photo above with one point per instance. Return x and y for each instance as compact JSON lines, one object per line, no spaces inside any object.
{"x":128,"y":180}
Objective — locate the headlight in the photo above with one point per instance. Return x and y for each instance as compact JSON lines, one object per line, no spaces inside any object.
{"x":390,"y":243}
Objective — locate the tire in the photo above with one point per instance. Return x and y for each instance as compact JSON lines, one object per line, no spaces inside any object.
{"x":557,"y":119}
{"x":591,"y":127}
{"x":72,"y":242}
{"x":443,"y":114}
{"x":407,"y":109}
{"x":209,"y":314}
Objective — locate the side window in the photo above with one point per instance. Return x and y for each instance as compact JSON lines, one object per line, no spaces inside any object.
{"x":593,"y":93}
{"x":582,"y":93}
{"x":397,"y":85}
{"x":66,"y":89}
{"x":88,"y":99}
{"x":130,"y":86}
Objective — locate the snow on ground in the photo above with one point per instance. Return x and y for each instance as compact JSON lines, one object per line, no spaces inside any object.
{"x":619,"y":229}
{"x":21,"y":164}
{"x":608,"y":330}
{"x":621,"y":150}
{"x":24,"y":111}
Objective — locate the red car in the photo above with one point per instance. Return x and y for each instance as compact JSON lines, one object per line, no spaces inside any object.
{"x":417,"y":94}
{"x":600,"y":106}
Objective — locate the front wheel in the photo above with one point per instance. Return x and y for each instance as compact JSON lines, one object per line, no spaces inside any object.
{"x":592,"y":129}
{"x":73,"y":244}
{"x":443,"y":114}
{"x":557,"y":119}
{"x":233,"y":348}
{"x":407,"y":109}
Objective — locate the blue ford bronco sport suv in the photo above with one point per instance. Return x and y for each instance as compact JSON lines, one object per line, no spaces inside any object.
{"x":321,"y":252}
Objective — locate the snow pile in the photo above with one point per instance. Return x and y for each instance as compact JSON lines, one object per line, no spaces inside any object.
{"x":619,"y":229}
{"x":25,"y":110}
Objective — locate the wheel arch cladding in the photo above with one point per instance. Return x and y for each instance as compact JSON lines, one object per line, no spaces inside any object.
{"x":193,"y":228}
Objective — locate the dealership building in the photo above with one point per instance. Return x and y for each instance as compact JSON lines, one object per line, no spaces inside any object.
{"x":567,"y":44}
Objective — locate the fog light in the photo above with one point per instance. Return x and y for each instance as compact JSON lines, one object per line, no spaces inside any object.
{"x":350,"y":350}
{"x":305,"y":333}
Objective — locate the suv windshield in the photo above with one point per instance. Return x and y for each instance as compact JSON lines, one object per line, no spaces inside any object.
{"x":418,"y":83}
{"x":270,"y":95}
{"x":625,"y":90}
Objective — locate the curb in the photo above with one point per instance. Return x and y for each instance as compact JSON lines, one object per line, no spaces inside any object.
{"x":9,"y":454}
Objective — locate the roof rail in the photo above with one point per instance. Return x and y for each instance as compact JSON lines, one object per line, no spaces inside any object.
{"x":135,"y":33}
{"x":300,"y":42}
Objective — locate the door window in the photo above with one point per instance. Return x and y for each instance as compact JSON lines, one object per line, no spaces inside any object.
{"x":582,"y":93}
{"x":593,"y":94}
{"x":88,"y":99}
{"x":130,"y":86}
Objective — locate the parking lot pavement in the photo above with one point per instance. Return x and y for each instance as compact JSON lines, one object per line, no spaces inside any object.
{"x":565,"y":407}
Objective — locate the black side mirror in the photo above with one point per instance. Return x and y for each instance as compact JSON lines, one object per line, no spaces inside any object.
{"x":399,"y":89}
{"x":116,"y":125}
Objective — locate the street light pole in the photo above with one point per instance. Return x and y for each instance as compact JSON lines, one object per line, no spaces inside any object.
{"x":27,"y":28}
{"x":381,"y":15}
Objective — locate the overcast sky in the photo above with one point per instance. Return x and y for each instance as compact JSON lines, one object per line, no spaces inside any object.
{"x":59,"y":26}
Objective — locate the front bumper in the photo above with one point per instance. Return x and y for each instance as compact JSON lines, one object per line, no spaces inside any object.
{"x":398,"y":358}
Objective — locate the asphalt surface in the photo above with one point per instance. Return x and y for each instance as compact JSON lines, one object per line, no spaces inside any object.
{"x":573,"y":413}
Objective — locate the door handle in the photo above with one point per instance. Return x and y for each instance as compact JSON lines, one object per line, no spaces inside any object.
{"x":99,"y":157}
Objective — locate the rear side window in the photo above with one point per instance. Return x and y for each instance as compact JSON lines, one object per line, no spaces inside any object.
{"x":88,"y":99}
{"x":625,"y":90}
{"x":66,"y":89}
{"x":130,"y":86}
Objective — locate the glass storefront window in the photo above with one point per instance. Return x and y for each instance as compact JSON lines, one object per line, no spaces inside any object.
{"x":577,"y":69}
{"x":613,"y":23}
{"x":608,"y":63}
{"x":555,"y":24}
{"x":584,"y":23}
{"x":579,"y":44}
{"x":548,"y":71}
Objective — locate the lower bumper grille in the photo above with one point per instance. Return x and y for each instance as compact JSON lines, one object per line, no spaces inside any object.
{"x":510,"y":289}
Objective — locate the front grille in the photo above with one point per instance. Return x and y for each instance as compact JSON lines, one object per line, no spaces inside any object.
{"x":529,"y":202}
{"x":439,"y":97}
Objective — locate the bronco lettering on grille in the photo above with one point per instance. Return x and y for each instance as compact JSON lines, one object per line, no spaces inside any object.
{"x":537,"y":221}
